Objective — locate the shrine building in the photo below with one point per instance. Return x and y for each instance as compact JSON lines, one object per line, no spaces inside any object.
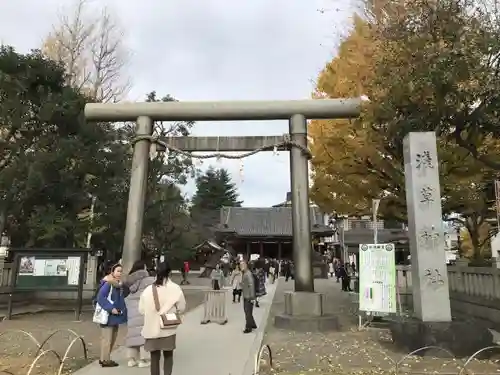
{"x":266,"y":231}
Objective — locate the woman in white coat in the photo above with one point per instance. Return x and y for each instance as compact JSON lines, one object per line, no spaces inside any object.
{"x":160,"y":340}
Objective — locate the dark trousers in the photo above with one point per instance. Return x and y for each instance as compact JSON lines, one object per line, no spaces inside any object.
{"x":248,"y":309}
{"x":184,"y":278}
{"x":237,"y":293}
{"x":346,"y":284}
{"x":168,"y":362}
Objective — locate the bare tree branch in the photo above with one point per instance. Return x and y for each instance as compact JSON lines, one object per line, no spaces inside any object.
{"x":93,"y":51}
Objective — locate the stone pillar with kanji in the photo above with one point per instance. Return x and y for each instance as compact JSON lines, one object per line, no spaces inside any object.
{"x":431,"y":323}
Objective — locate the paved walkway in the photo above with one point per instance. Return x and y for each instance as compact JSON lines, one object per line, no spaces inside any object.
{"x":209,"y":349}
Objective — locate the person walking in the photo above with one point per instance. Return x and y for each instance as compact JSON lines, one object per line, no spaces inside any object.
{"x":161,"y":298}
{"x":137,"y":281}
{"x":287,"y":269}
{"x":346,"y":280}
{"x":111,"y":298}
{"x":185,"y":273}
{"x":338,"y":267}
{"x":272,"y":273}
{"x":277,"y":266}
{"x":236,"y":278}
{"x":248,"y":293}
{"x":260,"y":277}
{"x":331,"y":269}
{"x":217,"y":277}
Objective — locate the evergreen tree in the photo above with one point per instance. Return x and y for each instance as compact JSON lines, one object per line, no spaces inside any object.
{"x":215,"y":189}
{"x":62,"y":178}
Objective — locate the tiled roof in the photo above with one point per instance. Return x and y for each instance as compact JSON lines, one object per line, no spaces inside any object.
{"x":360,"y":236}
{"x":210,"y":244}
{"x":266,"y":221}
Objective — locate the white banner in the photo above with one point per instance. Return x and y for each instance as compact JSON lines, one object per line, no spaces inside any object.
{"x":377,"y":278}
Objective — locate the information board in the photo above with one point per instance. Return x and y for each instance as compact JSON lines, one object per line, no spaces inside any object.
{"x":377,"y":278}
{"x":48,"y":272}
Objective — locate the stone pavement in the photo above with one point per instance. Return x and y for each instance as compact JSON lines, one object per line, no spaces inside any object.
{"x":209,"y":349}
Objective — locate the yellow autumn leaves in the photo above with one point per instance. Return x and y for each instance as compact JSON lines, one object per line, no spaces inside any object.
{"x":425,"y":66}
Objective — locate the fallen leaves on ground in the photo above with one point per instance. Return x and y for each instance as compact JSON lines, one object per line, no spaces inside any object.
{"x":352,"y":351}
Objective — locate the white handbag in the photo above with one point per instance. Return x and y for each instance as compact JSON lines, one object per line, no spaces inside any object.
{"x":101,"y":316}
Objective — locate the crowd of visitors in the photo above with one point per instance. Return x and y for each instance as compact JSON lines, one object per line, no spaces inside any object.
{"x":151,"y":305}
{"x":343,"y":272}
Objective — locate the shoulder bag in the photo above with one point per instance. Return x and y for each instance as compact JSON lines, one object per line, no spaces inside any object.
{"x":101,"y":316}
{"x":167,"y":320}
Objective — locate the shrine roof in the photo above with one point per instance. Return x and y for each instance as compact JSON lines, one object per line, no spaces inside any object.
{"x":266,"y":221}
{"x":210,"y":244}
{"x":360,"y":236}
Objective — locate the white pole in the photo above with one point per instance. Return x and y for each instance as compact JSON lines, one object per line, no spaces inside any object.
{"x":92,"y":263}
{"x":89,"y":234}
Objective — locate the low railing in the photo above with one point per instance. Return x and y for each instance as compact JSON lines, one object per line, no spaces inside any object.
{"x":472,"y":281}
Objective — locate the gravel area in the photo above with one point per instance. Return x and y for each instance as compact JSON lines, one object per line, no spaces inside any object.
{"x":350,"y":351}
{"x":17,"y":350}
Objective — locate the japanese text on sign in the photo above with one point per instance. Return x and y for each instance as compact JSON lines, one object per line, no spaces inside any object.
{"x":377,"y":278}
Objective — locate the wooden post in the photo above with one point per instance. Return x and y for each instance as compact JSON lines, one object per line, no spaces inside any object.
{"x":261,"y":250}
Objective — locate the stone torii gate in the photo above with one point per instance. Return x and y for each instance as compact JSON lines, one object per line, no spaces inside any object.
{"x":303,"y":302}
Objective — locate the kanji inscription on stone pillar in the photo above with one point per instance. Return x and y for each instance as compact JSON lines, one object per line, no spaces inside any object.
{"x":431,"y":299}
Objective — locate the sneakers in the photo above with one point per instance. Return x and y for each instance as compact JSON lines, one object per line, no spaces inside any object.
{"x":141,"y":363}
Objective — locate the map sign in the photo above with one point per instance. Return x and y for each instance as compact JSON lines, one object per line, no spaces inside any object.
{"x":377,"y":278}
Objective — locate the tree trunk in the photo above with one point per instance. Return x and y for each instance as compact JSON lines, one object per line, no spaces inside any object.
{"x":473,"y":224}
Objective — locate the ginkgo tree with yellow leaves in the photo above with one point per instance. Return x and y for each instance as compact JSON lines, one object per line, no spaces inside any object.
{"x":395,"y":58}
{"x":339,"y":147}
{"x":349,"y":167}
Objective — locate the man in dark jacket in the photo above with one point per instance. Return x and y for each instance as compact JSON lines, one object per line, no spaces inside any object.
{"x":287,"y":269}
{"x":346,"y":280}
{"x":249,"y":296}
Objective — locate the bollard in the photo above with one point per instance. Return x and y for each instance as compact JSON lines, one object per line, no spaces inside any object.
{"x":215,"y":307}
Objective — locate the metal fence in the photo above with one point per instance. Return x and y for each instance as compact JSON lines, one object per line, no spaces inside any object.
{"x":41,"y":352}
{"x":264,"y":361}
{"x":215,"y":307}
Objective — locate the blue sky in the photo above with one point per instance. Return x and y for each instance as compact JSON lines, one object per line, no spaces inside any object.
{"x":214,"y":50}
